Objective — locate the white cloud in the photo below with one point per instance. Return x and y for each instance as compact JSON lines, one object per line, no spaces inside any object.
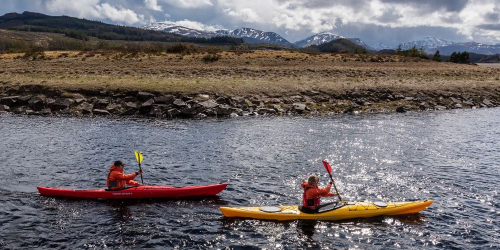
{"x":245,"y":15}
{"x":189,"y":3}
{"x":92,"y":9}
{"x":153,"y":5}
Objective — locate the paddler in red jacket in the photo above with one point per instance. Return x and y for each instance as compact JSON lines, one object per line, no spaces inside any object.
{"x":312,"y":194}
{"x":118,"y":180}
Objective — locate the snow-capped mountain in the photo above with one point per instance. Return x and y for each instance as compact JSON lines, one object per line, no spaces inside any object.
{"x":360,"y":42}
{"x":472,"y":47}
{"x":381,"y":46}
{"x":256,"y":36}
{"x":247,"y":34}
{"x":427,"y":43}
{"x":170,"y":27}
{"x":317,"y":39}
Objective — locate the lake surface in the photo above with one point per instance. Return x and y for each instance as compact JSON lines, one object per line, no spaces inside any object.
{"x":450,"y":157}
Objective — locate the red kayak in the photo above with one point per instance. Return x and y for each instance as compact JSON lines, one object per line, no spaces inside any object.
{"x":139,"y":192}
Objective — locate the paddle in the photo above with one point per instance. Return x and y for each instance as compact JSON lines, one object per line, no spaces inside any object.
{"x":329,"y":170}
{"x":138,"y":157}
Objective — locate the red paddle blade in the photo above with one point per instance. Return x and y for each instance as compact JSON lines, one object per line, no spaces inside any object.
{"x":327,"y":167}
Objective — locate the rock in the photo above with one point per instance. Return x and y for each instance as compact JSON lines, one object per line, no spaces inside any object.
{"x":204,"y":96}
{"x":158,"y":110}
{"x":60,"y":104}
{"x":4,"y":108}
{"x":233,"y":115}
{"x":9,"y":100}
{"x":299,"y":107}
{"x":130,"y":99}
{"x":210,"y":104}
{"x":146,"y":106}
{"x":130,"y":105}
{"x":164,"y":99}
{"x":23,"y":100}
{"x":172,"y":113}
{"x":210,"y":112}
{"x":439,"y":107}
{"x":143,"y":96}
{"x":30,"y":112}
{"x":455,"y":100}
{"x":401,"y":109}
{"x":129,"y":111}
{"x":189,"y":111}
{"x":178,"y":103}
{"x":46,"y":111}
{"x":487,"y":103}
{"x":257,"y":103}
{"x":101,"y":103}
{"x":49,"y":102}
{"x":223,"y":110}
{"x":113,"y":108}
{"x":100,"y":112}
{"x":79,"y":101}
{"x":36,"y":103}
{"x":222,"y":100}
{"x":86,"y":108}
{"x":264,"y":111}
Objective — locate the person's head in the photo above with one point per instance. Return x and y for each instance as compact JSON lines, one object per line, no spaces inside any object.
{"x":312,"y":180}
{"x":119,"y":164}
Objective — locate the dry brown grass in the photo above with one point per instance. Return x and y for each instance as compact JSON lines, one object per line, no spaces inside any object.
{"x":270,"y":73}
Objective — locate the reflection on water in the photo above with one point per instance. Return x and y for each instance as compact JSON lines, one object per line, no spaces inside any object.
{"x":450,"y":157}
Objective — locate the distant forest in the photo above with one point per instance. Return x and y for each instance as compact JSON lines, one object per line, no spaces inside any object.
{"x":82,"y":29}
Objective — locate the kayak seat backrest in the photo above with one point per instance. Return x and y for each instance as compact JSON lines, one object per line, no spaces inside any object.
{"x":306,"y":210}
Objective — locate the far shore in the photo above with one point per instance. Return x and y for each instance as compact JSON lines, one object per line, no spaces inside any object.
{"x":238,"y":84}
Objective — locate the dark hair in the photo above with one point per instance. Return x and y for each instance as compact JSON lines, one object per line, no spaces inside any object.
{"x":118,"y":163}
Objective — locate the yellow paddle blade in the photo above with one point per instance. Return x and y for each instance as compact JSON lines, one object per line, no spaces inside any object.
{"x":138,"y":156}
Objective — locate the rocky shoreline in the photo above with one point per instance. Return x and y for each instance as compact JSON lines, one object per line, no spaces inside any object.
{"x":39,"y":100}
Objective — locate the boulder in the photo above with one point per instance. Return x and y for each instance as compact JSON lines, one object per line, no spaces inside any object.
{"x":129,"y":111}
{"x":101,"y":103}
{"x":4,"y":108}
{"x":189,"y":112}
{"x":146,"y":106}
{"x":36,"y":103}
{"x":299,"y":107}
{"x":23,"y":100}
{"x":143,"y":96}
{"x":86,"y":108}
{"x":164,"y":99}
{"x":172,"y":113}
{"x":179,"y":104}
{"x":401,"y":109}
{"x":100,"y":112}
{"x":210,"y":104}
{"x":60,"y":104}
{"x":9,"y":100}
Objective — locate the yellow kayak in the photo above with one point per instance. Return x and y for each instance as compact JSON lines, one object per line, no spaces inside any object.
{"x":335,"y":211}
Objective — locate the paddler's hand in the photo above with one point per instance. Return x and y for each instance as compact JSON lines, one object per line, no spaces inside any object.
{"x":138,"y":172}
{"x":331,"y":182}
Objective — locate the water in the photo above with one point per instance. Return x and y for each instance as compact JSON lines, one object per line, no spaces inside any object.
{"x":450,"y":157}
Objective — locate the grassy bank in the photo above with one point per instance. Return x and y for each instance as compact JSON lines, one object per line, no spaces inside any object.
{"x":269,"y":73}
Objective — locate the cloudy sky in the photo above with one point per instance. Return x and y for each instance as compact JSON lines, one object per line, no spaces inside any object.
{"x":390,"y":22}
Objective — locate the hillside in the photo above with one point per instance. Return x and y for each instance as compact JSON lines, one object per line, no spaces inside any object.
{"x":83,"y":29}
{"x":340,"y":46}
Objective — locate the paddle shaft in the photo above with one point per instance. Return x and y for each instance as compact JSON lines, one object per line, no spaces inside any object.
{"x":140,"y":169}
{"x":331,"y":178}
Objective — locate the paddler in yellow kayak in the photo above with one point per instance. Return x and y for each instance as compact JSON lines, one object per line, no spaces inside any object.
{"x":312,"y":194}
{"x":118,"y":180}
